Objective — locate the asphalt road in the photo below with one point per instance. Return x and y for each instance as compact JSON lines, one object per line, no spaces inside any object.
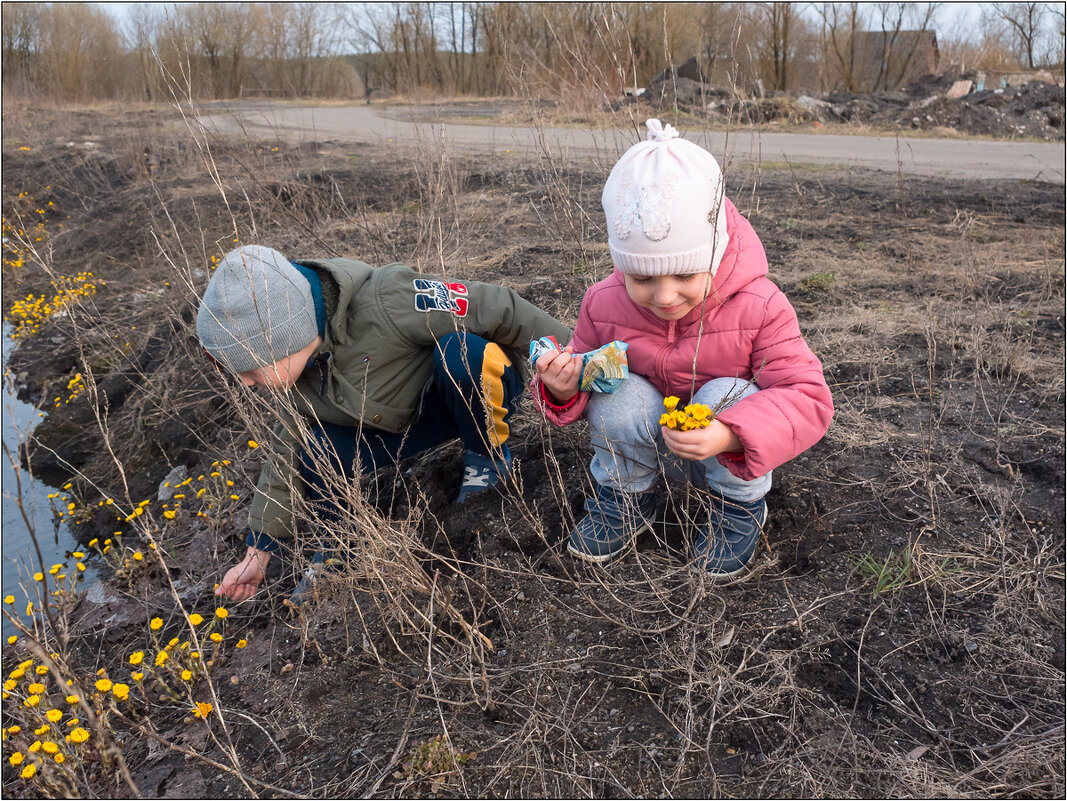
{"x":950,"y":158}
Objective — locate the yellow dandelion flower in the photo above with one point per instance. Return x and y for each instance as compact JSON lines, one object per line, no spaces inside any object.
{"x":136,"y":657}
{"x":79,"y":735}
{"x":137,"y":675}
{"x":72,"y":699}
{"x":241,"y":643}
{"x":161,"y":657}
{"x":186,"y":675}
{"x":196,"y":618}
{"x":33,"y":700}
{"x":29,"y":771}
{"x":36,"y":688}
{"x":54,"y":715}
{"x":156,"y":624}
{"x":10,"y":599}
{"x":253,"y":444}
{"x":169,"y":514}
{"x":221,"y":613}
{"x":38,"y":576}
{"x":59,"y":758}
{"x":49,"y":747}
{"x":12,"y":639}
{"x":103,"y":685}
{"x":121,"y":691}
{"x":216,"y":637}
{"x":16,"y":759}
{"x":35,"y":746}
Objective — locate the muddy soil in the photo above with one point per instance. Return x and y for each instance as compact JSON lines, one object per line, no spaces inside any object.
{"x":902,"y":633}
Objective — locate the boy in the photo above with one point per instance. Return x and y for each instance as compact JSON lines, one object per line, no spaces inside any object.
{"x":381,"y":363}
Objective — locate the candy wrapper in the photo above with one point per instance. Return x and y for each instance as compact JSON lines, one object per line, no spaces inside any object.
{"x":603,"y":369}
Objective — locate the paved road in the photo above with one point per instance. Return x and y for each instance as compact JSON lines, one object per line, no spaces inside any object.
{"x":950,"y":158}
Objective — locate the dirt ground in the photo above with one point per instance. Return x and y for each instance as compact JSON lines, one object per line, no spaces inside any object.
{"x":902,"y":634}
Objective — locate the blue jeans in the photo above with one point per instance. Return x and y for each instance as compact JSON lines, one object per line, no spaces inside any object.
{"x":629,"y":453}
{"x":472,"y":392}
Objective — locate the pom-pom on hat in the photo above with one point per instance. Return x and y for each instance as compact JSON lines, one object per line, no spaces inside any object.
{"x":256,"y":310}
{"x":663,"y":201}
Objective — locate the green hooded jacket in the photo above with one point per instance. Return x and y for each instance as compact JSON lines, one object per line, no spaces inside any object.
{"x":376,"y":359}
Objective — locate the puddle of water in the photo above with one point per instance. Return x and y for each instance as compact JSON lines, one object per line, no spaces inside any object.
{"x":19,"y":555}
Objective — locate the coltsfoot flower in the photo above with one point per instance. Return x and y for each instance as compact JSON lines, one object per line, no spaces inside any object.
{"x":693,"y":416}
{"x":202,"y":709}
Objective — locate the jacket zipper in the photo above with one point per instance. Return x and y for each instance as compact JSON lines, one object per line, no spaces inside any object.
{"x":661,"y":357}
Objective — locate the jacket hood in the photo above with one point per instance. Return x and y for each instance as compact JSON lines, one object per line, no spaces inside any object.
{"x":744,"y":261}
{"x":350,"y":275}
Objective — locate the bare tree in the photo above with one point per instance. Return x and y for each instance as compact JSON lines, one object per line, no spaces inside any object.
{"x":1026,"y":22}
{"x":840,"y":21}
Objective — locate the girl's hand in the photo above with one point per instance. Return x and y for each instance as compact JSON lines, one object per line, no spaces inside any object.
{"x":561,"y":373}
{"x":699,"y":444}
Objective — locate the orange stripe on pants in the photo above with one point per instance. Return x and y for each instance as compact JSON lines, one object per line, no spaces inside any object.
{"x":494,"y":362}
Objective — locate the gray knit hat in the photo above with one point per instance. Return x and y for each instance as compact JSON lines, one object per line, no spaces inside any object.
{"x":256,"y":310}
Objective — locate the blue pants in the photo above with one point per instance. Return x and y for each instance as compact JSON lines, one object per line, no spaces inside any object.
{"x":473,"y":390}
{"x":629,"y":454}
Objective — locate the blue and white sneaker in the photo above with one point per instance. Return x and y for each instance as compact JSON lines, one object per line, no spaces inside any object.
{"x":613,"y":521}
{"x":482,"y":472}
{"x":726,"y":546}
{"x":305,"y":588}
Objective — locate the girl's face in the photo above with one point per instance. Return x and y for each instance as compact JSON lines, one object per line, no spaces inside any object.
{"x":669,"y":297}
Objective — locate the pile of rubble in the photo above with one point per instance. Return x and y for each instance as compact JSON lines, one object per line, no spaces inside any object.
{"x":1003,"y":108}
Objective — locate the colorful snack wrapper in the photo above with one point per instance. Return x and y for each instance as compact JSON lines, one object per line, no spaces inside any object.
{"x":603,"y":369}
{"x":542,"y":345}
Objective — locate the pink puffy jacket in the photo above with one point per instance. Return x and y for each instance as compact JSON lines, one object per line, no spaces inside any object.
{"x":748,"y":328}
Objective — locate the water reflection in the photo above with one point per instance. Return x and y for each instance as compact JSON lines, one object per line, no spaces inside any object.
{"x":19,"y":556}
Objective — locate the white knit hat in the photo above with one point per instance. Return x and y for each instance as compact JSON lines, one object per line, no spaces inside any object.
{"x":663,"y":201}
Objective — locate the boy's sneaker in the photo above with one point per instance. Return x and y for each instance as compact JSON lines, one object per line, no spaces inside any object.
{"x":481,"y":472}
{"x":320,"y":563}
{"x":726,"y":545}
{"x":614,"y":519}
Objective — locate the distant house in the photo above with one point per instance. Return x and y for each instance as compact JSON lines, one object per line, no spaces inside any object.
{"x":887,"y":60}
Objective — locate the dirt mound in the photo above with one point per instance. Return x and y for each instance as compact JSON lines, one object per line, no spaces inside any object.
{"x":1015,"y":110}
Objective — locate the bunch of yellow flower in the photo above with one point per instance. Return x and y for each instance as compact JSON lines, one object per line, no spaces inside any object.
{"x":27,"y":315}
{"x":695,"y":415}
{"x":75,"y":387}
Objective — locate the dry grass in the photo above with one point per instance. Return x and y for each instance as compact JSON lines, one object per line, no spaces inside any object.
{"x":940,"y":332}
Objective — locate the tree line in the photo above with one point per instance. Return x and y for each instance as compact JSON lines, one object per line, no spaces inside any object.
{"x":581,"y":53}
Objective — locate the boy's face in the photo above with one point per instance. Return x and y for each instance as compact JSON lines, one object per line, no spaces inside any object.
{"x":283,"y":374}
{"x":669,"y":297}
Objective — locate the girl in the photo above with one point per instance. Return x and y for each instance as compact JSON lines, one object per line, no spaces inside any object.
{"x":690,"y":296}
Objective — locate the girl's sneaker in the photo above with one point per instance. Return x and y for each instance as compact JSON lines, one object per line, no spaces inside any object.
{"x":726,"y":546}
{"x":614,"y":519}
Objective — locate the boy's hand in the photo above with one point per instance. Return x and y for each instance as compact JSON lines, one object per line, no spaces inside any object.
{"x":243,"y":579}
{"x":560,"y":372}
{"x":699,"y":444}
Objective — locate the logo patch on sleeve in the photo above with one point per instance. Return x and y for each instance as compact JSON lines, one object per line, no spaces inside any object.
{"x":439,"y":296}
